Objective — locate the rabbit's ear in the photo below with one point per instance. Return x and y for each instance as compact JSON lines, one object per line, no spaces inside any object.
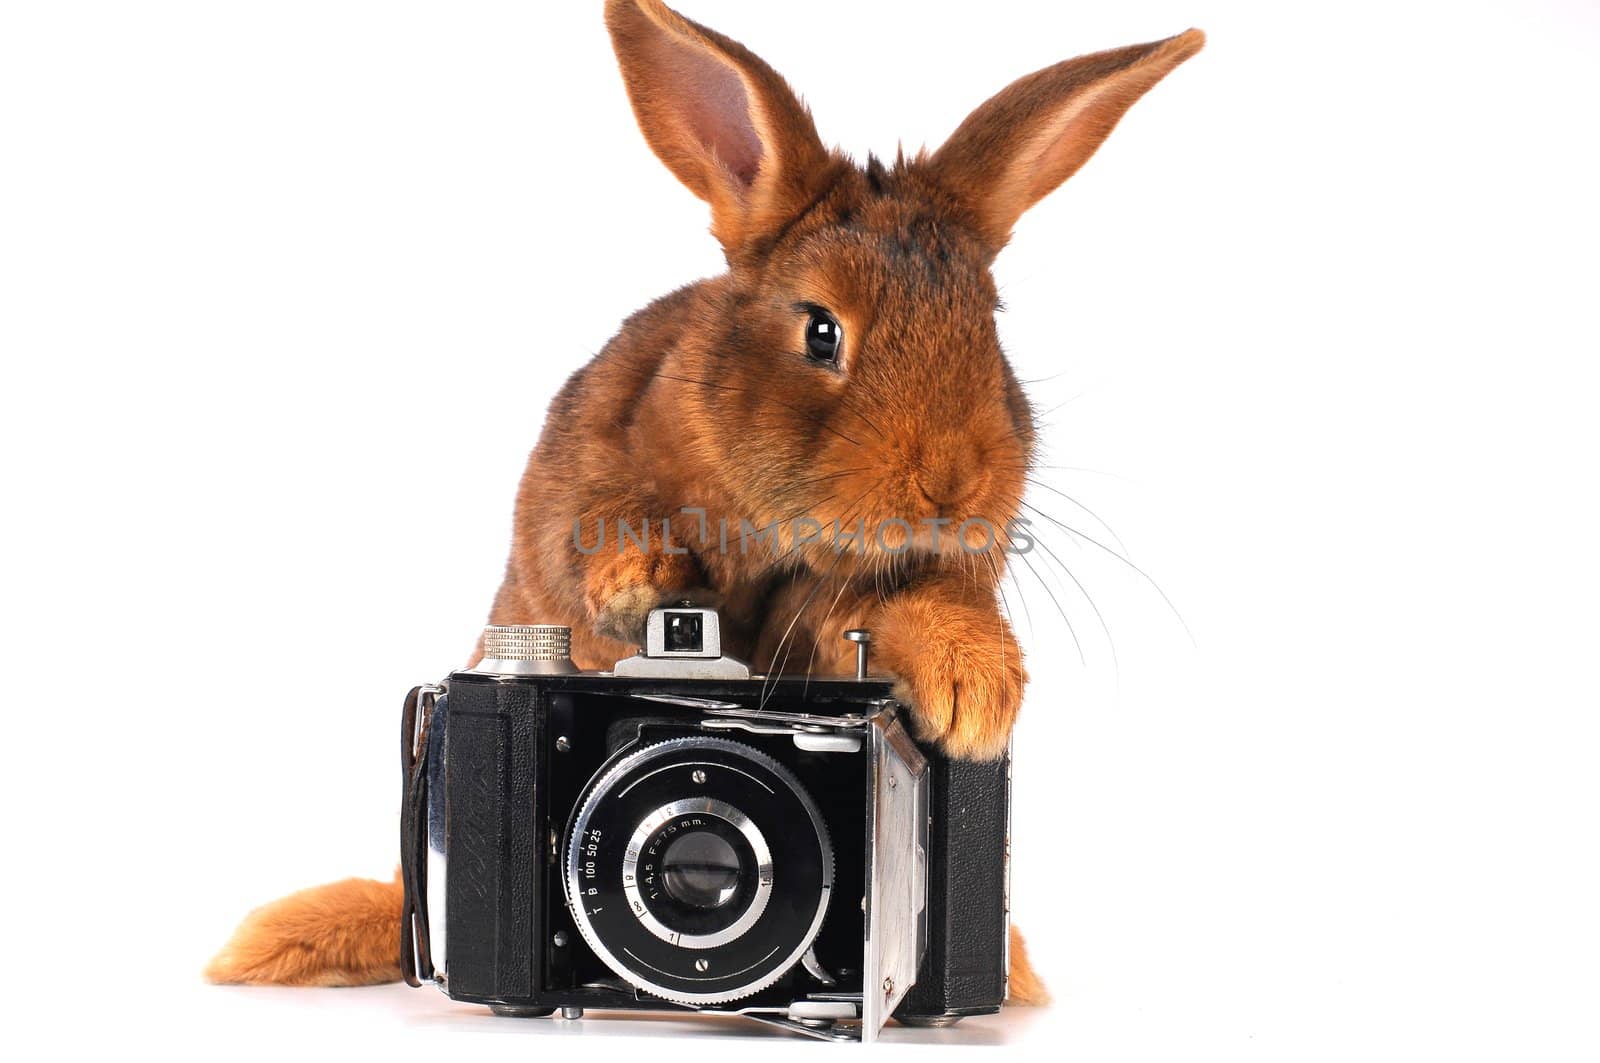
{"x":1016,"y":148}
{"x":721,"y":119}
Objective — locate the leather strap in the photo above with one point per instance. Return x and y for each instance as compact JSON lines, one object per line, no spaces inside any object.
{"x":416,"y":957}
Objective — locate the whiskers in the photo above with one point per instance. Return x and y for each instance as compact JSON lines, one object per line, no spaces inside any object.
{"x":1077,"y":535}
{"x":1041,"y":554}
{"x":780,"y":653}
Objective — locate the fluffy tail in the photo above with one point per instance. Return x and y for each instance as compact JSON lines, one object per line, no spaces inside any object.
{"x":1026,"y":988}
{"x":344,"y":933}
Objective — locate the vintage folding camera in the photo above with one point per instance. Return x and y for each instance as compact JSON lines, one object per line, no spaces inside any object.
{"x":678,"y":834}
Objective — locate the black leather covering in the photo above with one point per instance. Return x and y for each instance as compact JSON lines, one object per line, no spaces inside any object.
{"x":492,"y":749}
{"x":963,"y":971}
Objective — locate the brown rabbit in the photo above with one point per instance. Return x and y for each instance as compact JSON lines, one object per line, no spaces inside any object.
{"x":845,"y":369}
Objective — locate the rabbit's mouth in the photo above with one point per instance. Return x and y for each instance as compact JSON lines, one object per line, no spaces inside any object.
{"x":948,"y":511}
{"x":914,"y":539}
{"x":949,"y":536}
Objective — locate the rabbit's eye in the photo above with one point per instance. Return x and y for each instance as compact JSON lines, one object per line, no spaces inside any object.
{"x":823,"y":337}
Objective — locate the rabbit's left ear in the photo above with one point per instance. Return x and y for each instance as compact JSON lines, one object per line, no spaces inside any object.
{"x":721,"y":119}
{"x":1016,"y":148}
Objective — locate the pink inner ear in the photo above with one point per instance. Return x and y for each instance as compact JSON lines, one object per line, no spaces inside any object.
{"x":715,"y":109}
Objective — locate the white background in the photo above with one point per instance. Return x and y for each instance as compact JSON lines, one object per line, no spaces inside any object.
{"x":285,"y":288}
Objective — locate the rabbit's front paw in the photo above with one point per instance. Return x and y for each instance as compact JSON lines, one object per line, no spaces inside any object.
{"x":963,"y":676}
{"x":622,"y":589}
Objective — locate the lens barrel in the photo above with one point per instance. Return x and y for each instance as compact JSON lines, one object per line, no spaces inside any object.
{"x":698,"y":869}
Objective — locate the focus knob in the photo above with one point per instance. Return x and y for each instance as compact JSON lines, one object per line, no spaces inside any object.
{"x":527,"y":649}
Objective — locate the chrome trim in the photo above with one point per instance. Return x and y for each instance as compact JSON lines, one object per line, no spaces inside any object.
{"x":643,"y":666}
{"x":897,"y":873}
{"x":822,"y":1029}
{"x":438,"y":863}
{"x":708,"y":806}
{"x":751,"y":726}
{"x":849,"y":720}
{"x":827,"y":743}
{"x":688,"y":703}
{"x":655,"y":661}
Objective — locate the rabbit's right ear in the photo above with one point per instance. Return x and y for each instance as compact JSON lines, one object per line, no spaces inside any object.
{"x":721,"y":119}
{"x":1034,"y":134}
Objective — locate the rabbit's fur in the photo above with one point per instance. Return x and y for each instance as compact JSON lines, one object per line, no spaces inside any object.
{"x":708,"y":400}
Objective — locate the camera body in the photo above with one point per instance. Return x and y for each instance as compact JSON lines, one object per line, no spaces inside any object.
{"x":678,"y":834}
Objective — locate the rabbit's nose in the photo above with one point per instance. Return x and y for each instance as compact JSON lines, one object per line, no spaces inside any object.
{"x":946,"y":485}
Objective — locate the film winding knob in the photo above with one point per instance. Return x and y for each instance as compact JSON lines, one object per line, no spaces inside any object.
{"x":527,"y":649}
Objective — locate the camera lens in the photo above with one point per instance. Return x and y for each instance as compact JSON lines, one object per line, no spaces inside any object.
{"x":701,"y":870}
{"x":698,"y":869}
{"x":697,"y":872}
